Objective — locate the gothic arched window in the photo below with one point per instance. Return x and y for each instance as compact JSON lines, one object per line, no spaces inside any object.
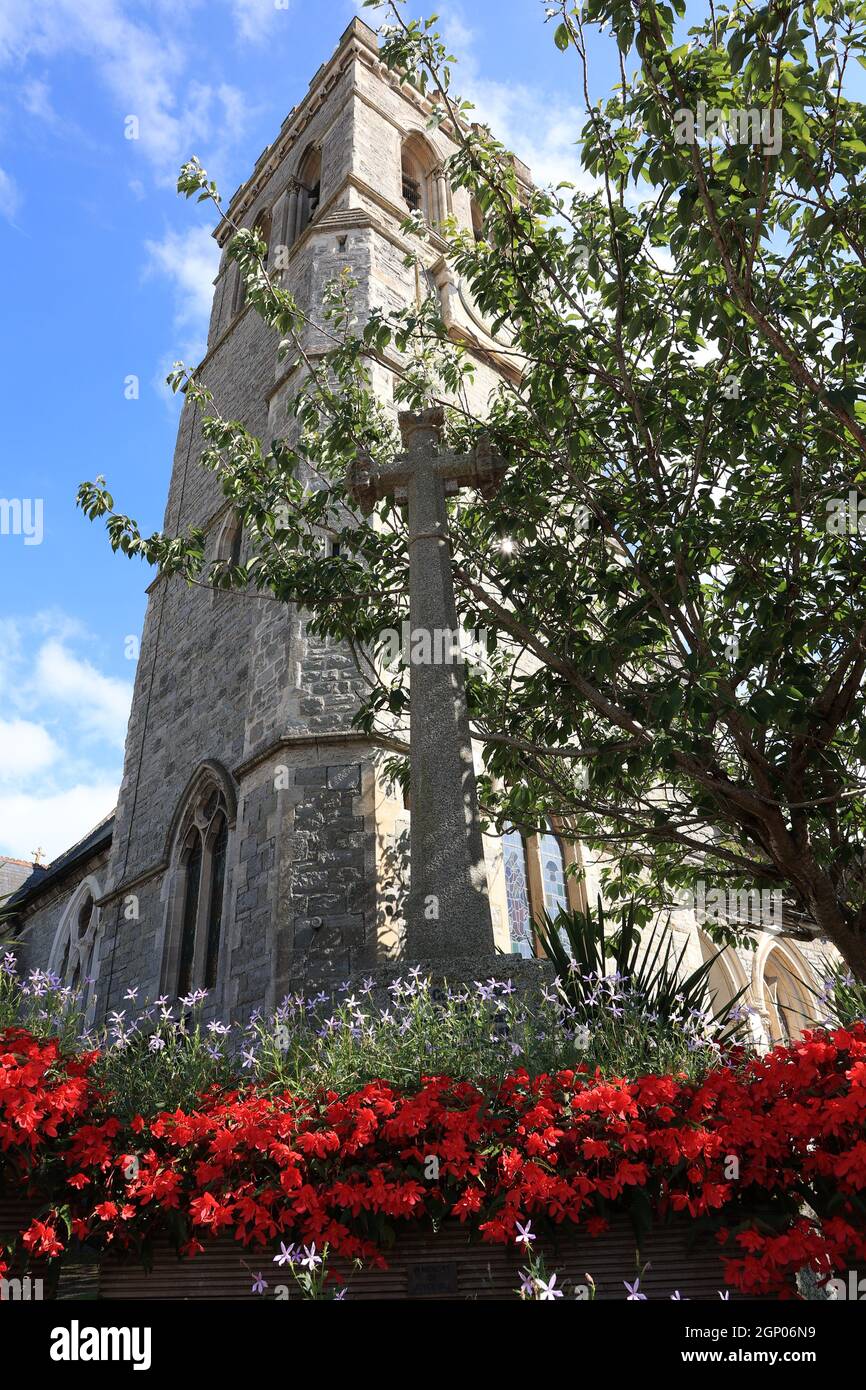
{"x":553,"y":873}
{"x":412,"y":184}
{"x":196,"y":918}
{"x":229,"y":546}
{"x":720,"y":986}
{"x":477,"y":220}
{"x":191,"y":895}
{"x":218,"y":848}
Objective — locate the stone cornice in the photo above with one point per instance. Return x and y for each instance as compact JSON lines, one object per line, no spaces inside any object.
{"x":337,"y":738}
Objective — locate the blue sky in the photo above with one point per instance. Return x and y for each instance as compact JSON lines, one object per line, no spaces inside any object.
{"x":108,"y":275}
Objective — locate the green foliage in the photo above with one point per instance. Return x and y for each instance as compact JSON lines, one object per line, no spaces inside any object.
{"x":143,"y":1077}
{"x":649,"y":975}
{"x":675,"y":630}
{"x":154,"y":1057}
{"x":39,"y":1003}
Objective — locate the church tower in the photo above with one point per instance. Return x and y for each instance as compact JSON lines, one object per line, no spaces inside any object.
{"x":257,"y":844}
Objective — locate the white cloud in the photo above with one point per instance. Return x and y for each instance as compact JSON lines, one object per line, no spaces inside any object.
{"x":10,"y":196}
{"x":143,"y":65}
{"x":62,"y":726}
{"x":99,"y":704}
{"x":190,"y":259}
{"x":36,"y":98}
{"x":254,"y":19}
{"x":25,"y":748}
{"x":540,"y":129}
{"x":52,"y":822}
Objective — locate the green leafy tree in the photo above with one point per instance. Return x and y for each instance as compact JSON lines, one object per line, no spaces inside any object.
{"x":669,"y":577}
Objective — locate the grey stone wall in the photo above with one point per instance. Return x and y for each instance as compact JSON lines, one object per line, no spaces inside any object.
{"x":37,"y":925}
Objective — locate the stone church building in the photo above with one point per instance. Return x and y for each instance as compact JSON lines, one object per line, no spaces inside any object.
{"x":257,"y":842}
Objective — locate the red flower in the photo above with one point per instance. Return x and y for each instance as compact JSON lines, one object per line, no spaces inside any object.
{"x":41,"y":1238}
{"x":547,"y":1147}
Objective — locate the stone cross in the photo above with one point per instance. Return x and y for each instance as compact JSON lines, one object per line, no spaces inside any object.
{"x":448,"y":912}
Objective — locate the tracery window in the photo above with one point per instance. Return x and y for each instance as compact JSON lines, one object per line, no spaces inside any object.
{"x":72,"y":953}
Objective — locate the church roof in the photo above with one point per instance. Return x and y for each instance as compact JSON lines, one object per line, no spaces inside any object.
{"x":41,"y":876}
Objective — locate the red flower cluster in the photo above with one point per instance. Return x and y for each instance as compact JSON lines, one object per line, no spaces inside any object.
{"x":745,"y":1149}
{"x":40,"y":1093}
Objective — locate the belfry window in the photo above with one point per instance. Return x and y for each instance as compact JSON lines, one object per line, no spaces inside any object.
{"x":411,"y":191}
{"x":420,"y":180}
{"x":309,"y":189}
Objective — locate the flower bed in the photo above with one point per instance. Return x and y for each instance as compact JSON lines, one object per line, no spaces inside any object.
{"x":740,"y":1150}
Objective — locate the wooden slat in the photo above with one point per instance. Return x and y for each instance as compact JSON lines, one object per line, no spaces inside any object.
{"x":421,"y":1266}
{"x":447,"y":1265}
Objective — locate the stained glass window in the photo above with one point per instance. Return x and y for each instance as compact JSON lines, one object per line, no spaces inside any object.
{"x":517,"y":894}
{"x":553,"y":875}
{"x":553,"y":878}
